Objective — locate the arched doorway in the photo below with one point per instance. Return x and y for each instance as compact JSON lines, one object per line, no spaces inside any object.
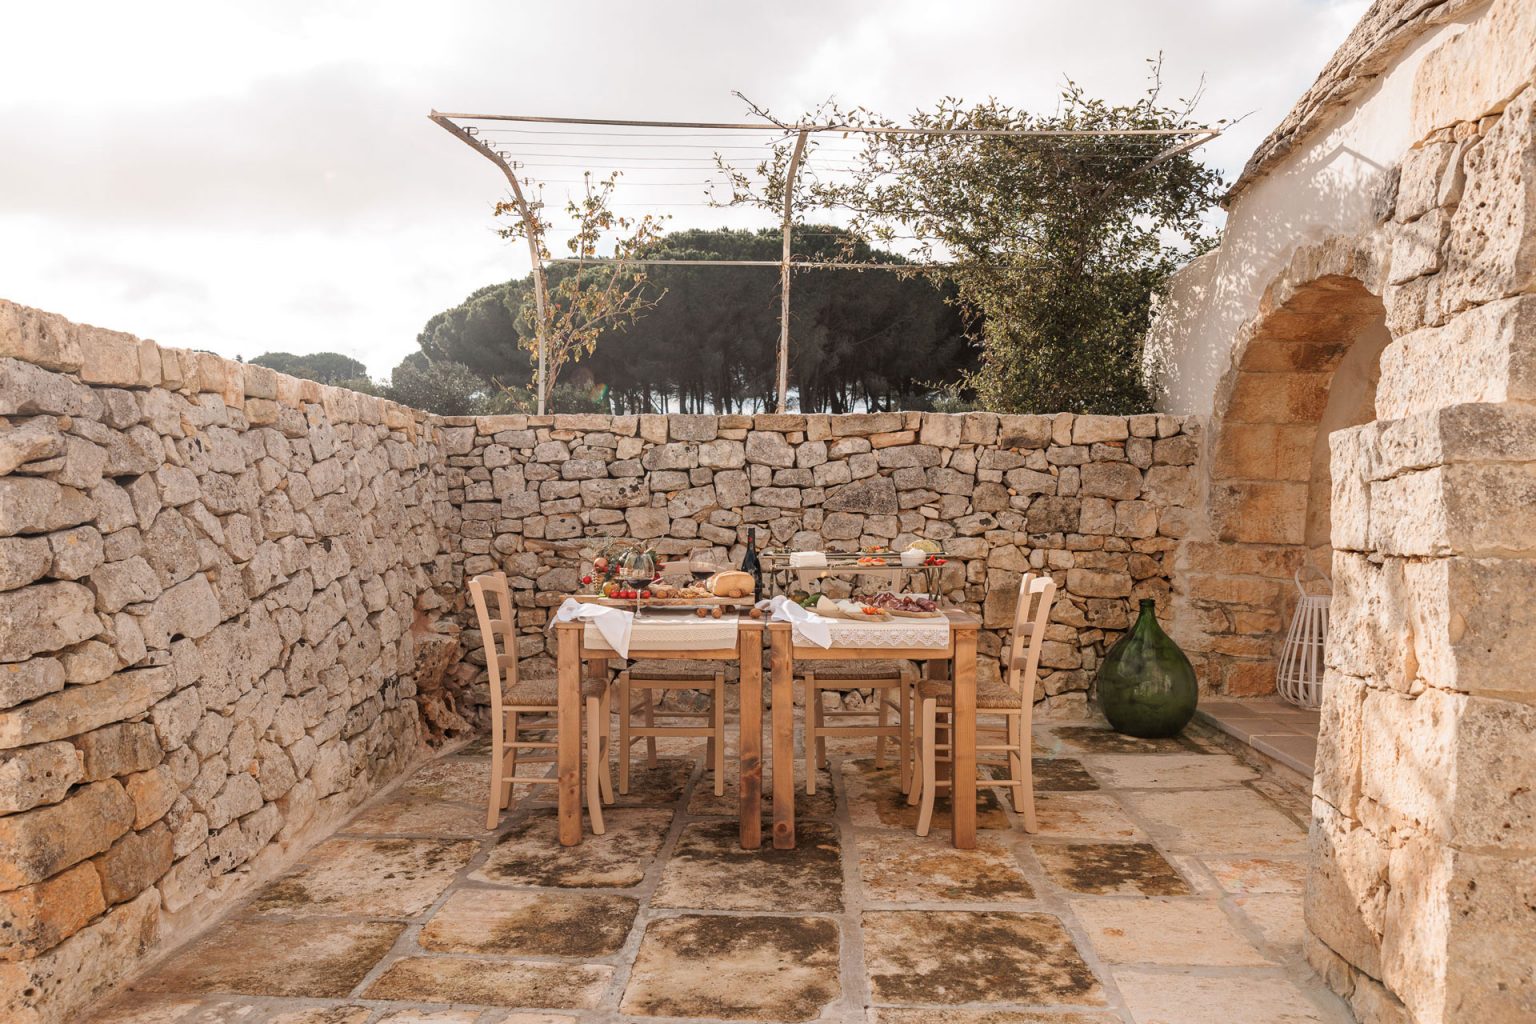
{"x":1309,"y":367}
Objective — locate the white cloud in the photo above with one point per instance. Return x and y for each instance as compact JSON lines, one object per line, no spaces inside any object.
{"x":253,"y":177}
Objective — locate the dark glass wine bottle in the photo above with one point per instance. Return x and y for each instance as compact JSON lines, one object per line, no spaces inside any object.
{"x":752,"y":566}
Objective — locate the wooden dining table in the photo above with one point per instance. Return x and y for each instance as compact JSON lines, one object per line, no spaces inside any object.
{"x":956,"y":661}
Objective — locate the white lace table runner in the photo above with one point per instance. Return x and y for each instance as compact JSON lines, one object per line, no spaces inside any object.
{"x":671,"y":634}
{"x":914,"y":633}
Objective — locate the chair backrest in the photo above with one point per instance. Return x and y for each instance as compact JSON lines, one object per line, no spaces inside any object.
{"x":498,"y":632}
{"x":1036,"y":595}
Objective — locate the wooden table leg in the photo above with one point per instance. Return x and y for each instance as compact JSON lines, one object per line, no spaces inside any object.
{"x":781,"y":662}
{"x":750,"y":743}
{"x":962,"y":785}
{"x":568,"y":733}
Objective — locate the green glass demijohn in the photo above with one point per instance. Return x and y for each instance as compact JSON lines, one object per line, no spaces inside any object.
{"x":1146,"y":684}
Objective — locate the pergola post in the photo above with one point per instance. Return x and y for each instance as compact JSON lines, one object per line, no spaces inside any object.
{"x":530,"y":230}
{"x":782,"y":405}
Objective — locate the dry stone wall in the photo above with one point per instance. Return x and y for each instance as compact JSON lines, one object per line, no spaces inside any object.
{"x":232,"y":602}
{"x":1099,"y":502}
{"x":208,"y":576}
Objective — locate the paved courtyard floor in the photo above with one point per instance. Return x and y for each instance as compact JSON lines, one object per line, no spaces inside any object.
{"x":1164,"y":888}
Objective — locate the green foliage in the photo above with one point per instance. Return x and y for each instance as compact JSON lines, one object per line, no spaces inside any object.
{"x":1056,"y":244}
{"x":874,"y":339}
{"x":325,"y":367}
{"x":443,"y":387}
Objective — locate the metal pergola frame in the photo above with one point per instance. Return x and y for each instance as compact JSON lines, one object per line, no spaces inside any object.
{"x":1191,"y":138}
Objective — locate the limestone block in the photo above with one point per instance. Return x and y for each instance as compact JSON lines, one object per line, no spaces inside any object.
{"x":1409,"y":755}
{"x":942,"y":430}
{"x":26,"y":680}
{"x":110,"y":357}
{"x":1418,"y":188}
{"x":1291,"y":397}
{"x":35,"y":918}
{"x":864,"y":424}
{"x":42,"y":339}
{"x":810,"y":454}
{"x":39,"y":843}
{"x":119,"y":749}
{"x":23,"y":560}
{"x":875,"y":495}
{"x":55,"y":985}
{"x":625,"y":493}
{"x":1098,"y":583}
{"x":39,"y":774}
{"x":31,"y":442}
{"x":843,"y":447}
{"x":45,"y":617}
{"x":35,"y":505}
{"x":80,"y":709}
{"x":908,"y":455}
{"x":1476,"y":70}
{"x":1493,"y":231}
{"x":75,"y":553}
{"x":1110,"y":479}
{"x":1458,"y":509}
{"x":693,"y":428}
{"x":645,"y":523}
{"x":134,"y":862}
{"x":722,"y":454}
{"x":1492,"y":803}
{"x":188,"y":609}
{"x":1347,"y":889}
{"x":1252,"y":511}
{"x":1418,"y":247}
{"x":1503,"y":432}
{"x":1488,"y":913}
{"x":768,"y":448}
{"x":1092,"y":429}
{"x":680,"y":455}
{"x":1370,"y":635}
{"x":830,"y":474}
{"x":979,"y":428}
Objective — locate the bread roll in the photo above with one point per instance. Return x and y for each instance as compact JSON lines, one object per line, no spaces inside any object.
{"x":730,"y":583}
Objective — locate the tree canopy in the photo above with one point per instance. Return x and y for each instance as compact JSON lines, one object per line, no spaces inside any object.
{"x":1055,"y":245}
{"x":325,"y":367}
{"x":872,"y":339}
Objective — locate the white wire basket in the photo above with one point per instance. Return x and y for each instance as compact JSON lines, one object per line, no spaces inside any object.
{"x":1300,"y":679}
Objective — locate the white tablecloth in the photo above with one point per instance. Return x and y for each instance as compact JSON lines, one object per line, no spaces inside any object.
{"x":670,"y":633}
{"x":923,"y":634}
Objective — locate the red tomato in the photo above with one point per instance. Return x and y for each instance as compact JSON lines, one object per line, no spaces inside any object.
{"x":645,"y":593}
{"x":586,"y":579}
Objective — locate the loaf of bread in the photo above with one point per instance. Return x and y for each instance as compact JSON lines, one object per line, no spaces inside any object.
{"x":730,"y":583}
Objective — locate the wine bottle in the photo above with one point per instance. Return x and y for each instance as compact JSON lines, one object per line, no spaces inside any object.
{"x":752,"y":566}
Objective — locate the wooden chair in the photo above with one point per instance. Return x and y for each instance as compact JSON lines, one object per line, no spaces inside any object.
{"x":513,"y":699}
{"x":888,"y":679}
{"x":650,"y":678}
{"x":1013,"y":701}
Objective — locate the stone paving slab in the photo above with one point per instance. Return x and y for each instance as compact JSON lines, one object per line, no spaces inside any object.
{"x":975,"y":957}
{"x":315,"y":958}
{"x":735,"y":968}
{"x":373,"y":877}
{"x":1111,"y":869}
{"x":904,"y":868}
{"x":1164,"y":885}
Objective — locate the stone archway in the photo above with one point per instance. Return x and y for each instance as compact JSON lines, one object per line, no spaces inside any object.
{"x":1309,"y":367}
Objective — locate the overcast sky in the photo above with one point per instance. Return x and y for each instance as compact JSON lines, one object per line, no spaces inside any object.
{"x":262,"y":176}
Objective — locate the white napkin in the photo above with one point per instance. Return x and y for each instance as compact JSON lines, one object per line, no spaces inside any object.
{"x":615,"y":624}
{"x":813,"y":627}
{"x":808,"y":560}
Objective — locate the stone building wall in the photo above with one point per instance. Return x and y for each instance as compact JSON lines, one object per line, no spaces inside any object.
{"x":1099,"y":502}
{"x":1421,"y":898}
{"x":208,"y":576}
{"x":1423,"y":891}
